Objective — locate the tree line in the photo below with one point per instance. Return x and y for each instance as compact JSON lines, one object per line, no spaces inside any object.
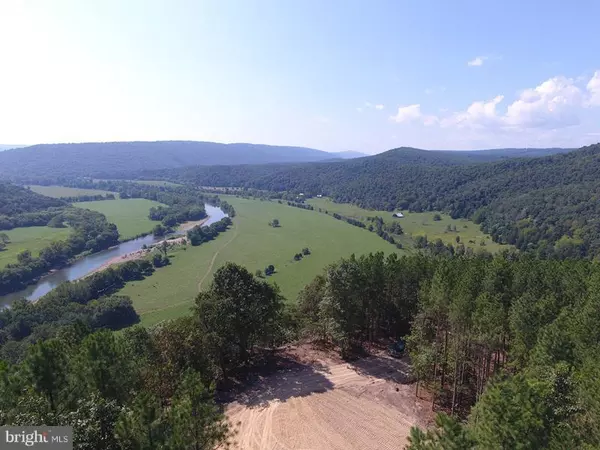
{"x":91,"y":232}
{"x":202,"y":233}
{"x":146,"y":388}
{"x":508,"y":342}
{"x":91,"y":301}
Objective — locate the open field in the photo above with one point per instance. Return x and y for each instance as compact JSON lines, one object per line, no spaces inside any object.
{"x":328,"y":404}
{"x":419,"y":224}
{"x":170,"y":291}
{"x":62,"y":191}
{"x":130,"y":216}
{"x":156,"y":183}
{"x":148,"y":182}
{"x":30,"y":238}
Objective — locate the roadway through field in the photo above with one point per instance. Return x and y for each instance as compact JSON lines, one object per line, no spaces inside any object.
{"x":208,"y":272}
{"x":214,"y":258}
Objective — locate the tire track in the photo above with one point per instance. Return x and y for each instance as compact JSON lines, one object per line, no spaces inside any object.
{"x":212,"y":262}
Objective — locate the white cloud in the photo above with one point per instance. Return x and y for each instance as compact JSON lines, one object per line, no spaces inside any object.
{"x":557,"y":103}
{"x":554,"y":103}
{"x":593,"y":88}
{"x":478,"y":61}
{"x":412,"y":113}
{"x":478,"y":114}
{"x":407,"y":113}
{"x":379,"y":107}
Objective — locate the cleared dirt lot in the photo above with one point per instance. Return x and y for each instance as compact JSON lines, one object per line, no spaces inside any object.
{"x":314,"y":401}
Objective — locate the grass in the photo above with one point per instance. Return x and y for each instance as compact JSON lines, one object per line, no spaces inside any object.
{"x":130,"y":216}
{"x":30,"y":238}
{"x":170,"y":291}
{"x":62,"y":191}
{"x":419,"y":224}
{"x":156,"y":183}
{"x":148,"y":182}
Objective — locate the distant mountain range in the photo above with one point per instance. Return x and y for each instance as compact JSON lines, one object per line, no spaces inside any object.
{"x":116,"y":159}
{"x":8,"y":146}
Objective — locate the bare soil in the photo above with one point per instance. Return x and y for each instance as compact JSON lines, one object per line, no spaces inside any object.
{"x":314,"y":400}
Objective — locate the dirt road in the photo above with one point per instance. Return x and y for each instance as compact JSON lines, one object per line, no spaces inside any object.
{"x":329,"y":406}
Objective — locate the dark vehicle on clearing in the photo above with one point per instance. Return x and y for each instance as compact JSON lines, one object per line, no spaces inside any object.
{"x":397,"y":348}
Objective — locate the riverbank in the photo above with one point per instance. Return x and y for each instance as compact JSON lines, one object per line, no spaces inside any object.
{"x":187,"y":226}
{"x":138,"y":254}
{"x":86,"y":263}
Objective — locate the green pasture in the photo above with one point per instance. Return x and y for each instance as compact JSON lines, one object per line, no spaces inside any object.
{"x":419,"y":224}
{"x":62,"y":191}
{"x":30,"y":238}
{"x":251,"y":242}
{"x":130,"y":215}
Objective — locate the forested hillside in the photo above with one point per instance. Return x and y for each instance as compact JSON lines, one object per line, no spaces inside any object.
{"x":16,"y":200}
{"x":544,"y":204}
{"x":50,"y":161}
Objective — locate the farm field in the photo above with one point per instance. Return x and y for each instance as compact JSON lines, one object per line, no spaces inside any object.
{"x":130,"y":216}
{"x":62,"y":191}
{"x":251,"y":242}
{"x":30,"y":238}
{"x":419,"y":224}
{"x":156,"y":183}
{"x":148,"y":182}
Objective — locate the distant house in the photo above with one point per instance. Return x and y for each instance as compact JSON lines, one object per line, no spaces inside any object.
{"x":398,"y":214}
{"x":319,"y":195}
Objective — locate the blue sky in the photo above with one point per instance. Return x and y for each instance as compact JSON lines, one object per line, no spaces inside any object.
{"x":328,"y":74}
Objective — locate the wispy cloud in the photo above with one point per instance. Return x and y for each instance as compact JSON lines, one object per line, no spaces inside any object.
{"x":478,"y":61}
{"x":369,"y":105}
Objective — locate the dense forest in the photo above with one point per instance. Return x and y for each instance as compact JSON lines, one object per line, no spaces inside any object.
{"x":510,"y":343}
{"x":506,"y":346}
{"x":143,"y":388}
{"x":22,"y":207}
{"x":109,"y":159}
{"x":547,"y":205}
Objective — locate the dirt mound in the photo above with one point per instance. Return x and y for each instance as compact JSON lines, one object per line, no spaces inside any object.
{"x":327,"y":404}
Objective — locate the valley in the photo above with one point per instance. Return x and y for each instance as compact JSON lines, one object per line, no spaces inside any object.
{"x":285,"y":225}
{"x":290,"y":305}
{"x":253,"y":243}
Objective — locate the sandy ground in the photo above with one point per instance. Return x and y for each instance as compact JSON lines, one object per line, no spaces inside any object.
{"x":186,"y":226}
{"x":322,"y":404}
{"x":138,"y":254}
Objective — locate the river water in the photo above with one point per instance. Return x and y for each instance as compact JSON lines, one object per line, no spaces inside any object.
{"x":89,"y":263}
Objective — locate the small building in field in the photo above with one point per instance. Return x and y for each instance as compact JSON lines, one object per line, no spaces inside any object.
{"x":398,"y":214}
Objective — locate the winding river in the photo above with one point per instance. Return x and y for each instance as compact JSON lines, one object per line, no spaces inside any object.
{"x":92,"y":262}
